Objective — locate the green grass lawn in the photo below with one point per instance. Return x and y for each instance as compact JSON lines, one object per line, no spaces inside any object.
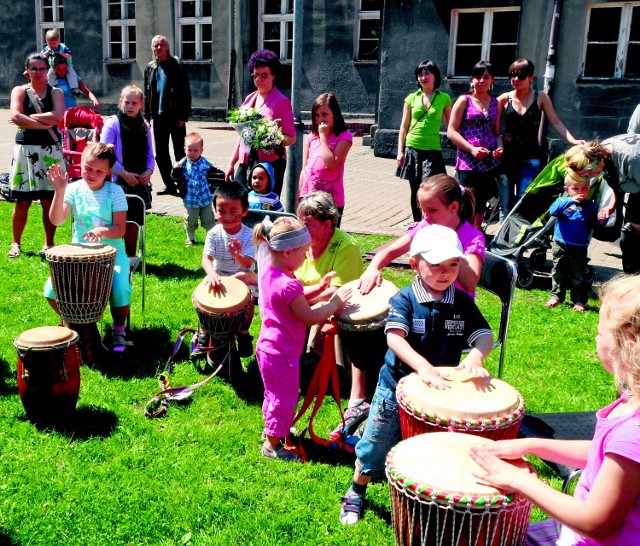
{"x":196,"y":476}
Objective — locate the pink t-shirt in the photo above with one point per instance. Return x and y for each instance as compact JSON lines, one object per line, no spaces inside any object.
{"x":471,"y":239}
{"x":276,"y":106}
{"x":317,"y":176}
{"x":281,"y":333}
{"x":620,"y":436}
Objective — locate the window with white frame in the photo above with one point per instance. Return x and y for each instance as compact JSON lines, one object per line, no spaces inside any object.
{"x":612,"y":46}
{"x":50,"y":14}
{"x":276,"y":27}
{"x":483,"y":34}
{"x":195,"y":31}
{"x":367,"y":40}
{"x":121,"y":29}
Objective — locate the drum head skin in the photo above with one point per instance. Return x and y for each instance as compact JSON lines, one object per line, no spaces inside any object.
{"x":79,"y":251}
{"x":233,"y":296}
{"x":438,"y":466}
{"x":469,"y":398}
{"x":367,"y":308}
{"x":46,"y":338}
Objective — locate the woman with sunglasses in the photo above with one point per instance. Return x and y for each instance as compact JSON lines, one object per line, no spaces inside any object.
{"x":273,"y":105}
{"x":35,"y":109}
{"x":522,"y":112}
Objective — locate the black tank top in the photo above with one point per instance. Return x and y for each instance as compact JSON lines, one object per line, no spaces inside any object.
{"x":40,"y":137}
{"x":521,"y":131}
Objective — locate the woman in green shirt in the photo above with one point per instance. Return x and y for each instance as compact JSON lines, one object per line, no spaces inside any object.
{"x":419,"y":150}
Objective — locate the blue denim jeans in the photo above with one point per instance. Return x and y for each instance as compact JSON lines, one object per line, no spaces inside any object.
{"x":517,"y":180}
{"x":381,"y":433}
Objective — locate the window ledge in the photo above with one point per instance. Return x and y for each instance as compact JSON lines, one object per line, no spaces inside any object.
{"x":196,"y":61}
{"x":119,"y":61}
{"x":364,"y":62}
{"x":610,"y":81}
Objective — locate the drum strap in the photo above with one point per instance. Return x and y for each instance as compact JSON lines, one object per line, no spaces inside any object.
{"x":326,"y":371}
{"x":159,"y":404}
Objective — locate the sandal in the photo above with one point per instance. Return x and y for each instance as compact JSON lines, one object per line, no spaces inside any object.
{"x":119,"y":342}
{"x":579,"y":308}
{"x":43,"y":252}
{"x":15,"y":250}
{"x":351,"y":510}
{"x":552,"y":303}
{"x":353,"y":416}
{"x":281,"y":453}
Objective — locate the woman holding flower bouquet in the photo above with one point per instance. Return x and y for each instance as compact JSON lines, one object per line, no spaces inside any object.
{"x":273,"y":106}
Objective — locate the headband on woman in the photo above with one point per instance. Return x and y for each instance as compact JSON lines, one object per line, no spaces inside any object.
{"x":290,"y":239}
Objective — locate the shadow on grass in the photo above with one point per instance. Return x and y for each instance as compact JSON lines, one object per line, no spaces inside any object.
{"x":84,"y":423}
{"x":170,"y":270}
{"x":6,"y":379}
{"x":151,"y":349}
{"x":6,"y":540}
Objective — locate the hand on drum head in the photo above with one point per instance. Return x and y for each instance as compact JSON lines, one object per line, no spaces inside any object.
{"x":368,"y":280}
{"x":212,"y":280}
{"x":434,"y":377}
{"x":58,"y":178}
{"x":92,"y":236}
{"x":497,"y":472}
{"x":473,"y":364}
{"x":342,"y":295}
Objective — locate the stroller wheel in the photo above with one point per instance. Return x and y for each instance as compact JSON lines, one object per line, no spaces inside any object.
{"x":525,"y":277}
{"x":538,"y":258}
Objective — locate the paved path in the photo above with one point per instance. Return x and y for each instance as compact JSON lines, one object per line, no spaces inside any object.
{"x":376,"y":201}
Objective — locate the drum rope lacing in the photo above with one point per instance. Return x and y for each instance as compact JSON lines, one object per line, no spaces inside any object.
{"x":159,"y":404}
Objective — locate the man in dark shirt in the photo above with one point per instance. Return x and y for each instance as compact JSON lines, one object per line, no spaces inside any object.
{"x":167,"y":106}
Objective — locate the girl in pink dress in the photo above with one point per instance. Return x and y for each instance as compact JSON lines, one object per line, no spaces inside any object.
{"x":605,"y":507}
{"x":325,"y":151}
{"x":285,"y":313}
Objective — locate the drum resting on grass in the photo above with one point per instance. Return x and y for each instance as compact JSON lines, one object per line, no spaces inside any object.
{"x":436,"y":501}
{"x":48,"y":372}
{"x":483,"y":406}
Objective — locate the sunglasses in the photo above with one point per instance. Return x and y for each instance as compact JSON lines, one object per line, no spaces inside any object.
{"x":519,"y":75}
{"x":261,"y":75}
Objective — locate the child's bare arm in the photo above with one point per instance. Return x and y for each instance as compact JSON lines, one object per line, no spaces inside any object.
{"x":114,"y":231}
{"x":59,"y":210}
{"x":427,"y":372}
{"x":308,"y":316}
{"x":235,"y":249}
{"x":473,"y":362}
{"x":212,"y":279}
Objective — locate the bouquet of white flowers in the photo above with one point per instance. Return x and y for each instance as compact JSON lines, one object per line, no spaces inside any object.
{"x":264,"y":134}
{"x":239,"y":118}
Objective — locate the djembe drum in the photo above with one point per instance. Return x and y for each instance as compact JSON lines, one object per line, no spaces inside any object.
{"x":361,"y":325}
{"x":222,"y":312}
{"x":436,"y":501}
{"x":82,"y":276}
{"x":48,"y":372}
{"x":482,"y":406}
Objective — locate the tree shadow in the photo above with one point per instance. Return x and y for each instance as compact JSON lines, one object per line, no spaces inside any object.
{"x":83,"y":424}
{"x":6,"y":540}
{"x":170,"y":270}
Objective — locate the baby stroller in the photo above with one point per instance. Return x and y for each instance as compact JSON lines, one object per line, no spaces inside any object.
{"x":80,"y":126}
{"x":527,"y":232}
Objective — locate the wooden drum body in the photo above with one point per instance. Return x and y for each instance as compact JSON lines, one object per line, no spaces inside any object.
{"x":222,"y":312}
{"x":361,"y":325}
{"x":48,"y":372}
{"x":487,"y":407}
{"x":436,"y":501}
{"x":82,"y":276}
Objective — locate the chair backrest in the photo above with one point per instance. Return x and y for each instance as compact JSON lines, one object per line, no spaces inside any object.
{"x":498,"y":276}
{"x":256,"y":216}
{"x":136,"y":216}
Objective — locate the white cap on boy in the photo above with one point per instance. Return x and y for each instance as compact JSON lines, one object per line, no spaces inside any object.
{"x":436,"y":244}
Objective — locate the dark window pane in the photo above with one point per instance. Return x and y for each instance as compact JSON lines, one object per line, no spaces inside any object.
{"x":466,"y":57}
{"x":206,"y":8}
{"x":132,"y":51}
{"x":368,"y":50}
{"x":370,"y":28}
{"x":207,"y":33}
{"x":189,"y":51}
{"x":60,"y":13}
{"x":61,"y":31}
{"x":116,"y":51}
{"x":289,"y":49}
{"x":271,"y":31}
{"x":272,"y":6}
{"x":188,"y":33}
{"x":470,"y":28}
{"x":289,"y":35}
{"x":501,"y":57}
{"x":633,"y":61}
{"x":206,"y":51}
{"x":289,"y":7}
{"x":131,"y":33}
{"x":634,"y":35}
{"x":370,"y":5}
{"x":47,"y":3}
{"x":188,"y":9}
{"x":47,"y":15}
{"x":131,"y":10}
{"x":505,"y":26}
{"x":601,"y":60}
{"x":116,"y":34}
{"x":272,"y":46}
{"x":604,"y":25}
{"x":115,"y":11}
